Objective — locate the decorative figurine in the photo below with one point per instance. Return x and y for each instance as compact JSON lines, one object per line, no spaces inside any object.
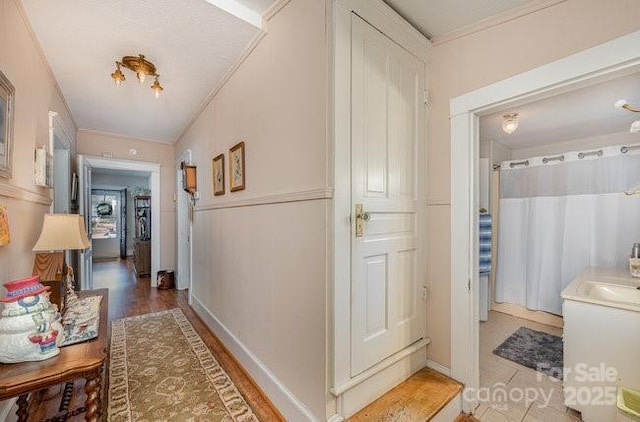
{"x":30,"y":328}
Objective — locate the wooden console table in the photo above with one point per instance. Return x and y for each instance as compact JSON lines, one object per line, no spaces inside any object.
{"x":83,"y":360}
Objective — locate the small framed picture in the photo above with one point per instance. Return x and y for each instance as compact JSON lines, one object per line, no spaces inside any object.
{"x":236,"y":167}
{"x":218,"y":175}
{"x":7,"y":93}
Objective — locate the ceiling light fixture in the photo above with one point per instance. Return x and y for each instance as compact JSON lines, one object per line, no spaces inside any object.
{"x":142,"y":68}
{"x":635,"y":126}
{"x":510,"y":122}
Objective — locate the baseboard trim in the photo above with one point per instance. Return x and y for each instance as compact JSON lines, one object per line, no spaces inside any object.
{"x":335,"y":418}
{"x":277,"y":392}
{"x":5,"y":408}
{"x":522,"y":312}
{"x":438,"y":368}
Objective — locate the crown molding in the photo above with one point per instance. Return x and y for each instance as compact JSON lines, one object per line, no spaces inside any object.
{"x":47,"y":65}
{"x":490,"y":22}
{"x":120,"y":137}
{"x":274,"y":9}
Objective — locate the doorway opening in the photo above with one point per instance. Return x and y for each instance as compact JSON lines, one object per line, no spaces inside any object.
{"x":110,"y":179}
{"x":607,"y":61}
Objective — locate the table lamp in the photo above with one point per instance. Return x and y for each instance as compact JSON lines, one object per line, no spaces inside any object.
{"x":60,"y":233}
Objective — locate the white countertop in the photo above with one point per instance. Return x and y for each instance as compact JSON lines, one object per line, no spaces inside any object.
{"x":581,"y":287}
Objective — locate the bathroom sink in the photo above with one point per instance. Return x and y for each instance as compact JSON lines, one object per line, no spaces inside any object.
{"x":612,"y":292}
{"x":607,"y":287}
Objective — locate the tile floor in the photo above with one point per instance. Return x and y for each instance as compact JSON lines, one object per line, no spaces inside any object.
{"x":510,"y":392}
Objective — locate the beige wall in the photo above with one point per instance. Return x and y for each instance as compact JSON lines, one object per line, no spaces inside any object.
{"x":485,"y":57}
{"x":261,"y":269}
{"x":36,"y":94}
{"x":93,"y":143}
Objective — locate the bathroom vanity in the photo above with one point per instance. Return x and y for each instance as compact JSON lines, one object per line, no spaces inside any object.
{"x":601,"y":341}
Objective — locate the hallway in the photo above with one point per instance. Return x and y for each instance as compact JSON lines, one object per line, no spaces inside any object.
{"x":129,"y":296}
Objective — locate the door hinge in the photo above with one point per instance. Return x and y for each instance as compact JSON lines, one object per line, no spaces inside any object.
{"x":424,"y":293}
{"x":426,"y":97}
{"x":469,"y":284}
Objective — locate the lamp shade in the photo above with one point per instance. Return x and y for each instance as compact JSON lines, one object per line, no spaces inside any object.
{"x":61,"y":232}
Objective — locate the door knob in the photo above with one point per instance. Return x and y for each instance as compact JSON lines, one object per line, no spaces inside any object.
{"x":361,"y":217}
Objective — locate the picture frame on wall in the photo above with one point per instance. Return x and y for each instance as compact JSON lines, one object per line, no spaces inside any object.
{"x":7,"y":101}
{"x":236,"y":167}
{"x":218,"y":175}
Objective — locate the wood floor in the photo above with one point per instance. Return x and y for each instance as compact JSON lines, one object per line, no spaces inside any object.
{"x":419,"y":398}
{"x":128,"y":297}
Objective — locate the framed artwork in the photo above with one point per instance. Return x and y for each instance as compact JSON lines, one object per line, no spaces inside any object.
{"x":7,"y":94}
{"x":5,"y":238}
{"x":236,"y":167}
{"x":189,"y":178}
{"x":218,"y":175}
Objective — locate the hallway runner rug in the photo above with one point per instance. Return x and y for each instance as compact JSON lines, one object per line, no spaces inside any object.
{"x":534,"y":349}
{"x":161,"y":370}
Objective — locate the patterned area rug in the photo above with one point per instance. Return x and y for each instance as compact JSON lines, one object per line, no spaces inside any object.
{"x":535,"y":350}
{"x":161,"y":370}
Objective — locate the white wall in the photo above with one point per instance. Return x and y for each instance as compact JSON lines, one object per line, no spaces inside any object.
{"x":261,"y":268}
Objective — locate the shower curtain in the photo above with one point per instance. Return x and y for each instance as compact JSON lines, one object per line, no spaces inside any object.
{"x":561,"y":214}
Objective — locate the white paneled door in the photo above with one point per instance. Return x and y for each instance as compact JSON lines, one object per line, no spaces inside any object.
{"x":388,"y":270}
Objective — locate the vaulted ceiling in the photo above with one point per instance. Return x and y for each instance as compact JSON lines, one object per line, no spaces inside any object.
{"x":193,"y":43}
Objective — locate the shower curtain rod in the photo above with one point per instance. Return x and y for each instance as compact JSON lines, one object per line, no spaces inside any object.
{"x":561,"y":157}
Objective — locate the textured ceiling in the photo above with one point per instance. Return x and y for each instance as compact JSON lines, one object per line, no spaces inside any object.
{"x":436,"y":17}
{"x":192,"y":45}
{"x":581,"y":113}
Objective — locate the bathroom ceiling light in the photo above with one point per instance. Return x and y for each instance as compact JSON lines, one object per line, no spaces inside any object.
{"x":625,"y":104}
{"x":635,"y":126}
{"x":510,"y":122}
{"x":141,"y":67}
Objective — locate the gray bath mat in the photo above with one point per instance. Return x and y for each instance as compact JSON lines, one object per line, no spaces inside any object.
{"x":535,"y":350}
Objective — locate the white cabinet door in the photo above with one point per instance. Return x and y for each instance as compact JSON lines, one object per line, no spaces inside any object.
{"x":388,"y":170}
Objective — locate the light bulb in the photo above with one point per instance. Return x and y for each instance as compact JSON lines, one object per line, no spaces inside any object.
{"x":621,"y":103}
{"x":142,"y":76}
{"x":510,"y":122}
{"x":635,"y":127}
{"x":118,"y":82}
{"x":157,"y":88}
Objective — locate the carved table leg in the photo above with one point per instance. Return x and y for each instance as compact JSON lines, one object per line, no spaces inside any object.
{"x":23,"y":408}
{"x":93,"y":389}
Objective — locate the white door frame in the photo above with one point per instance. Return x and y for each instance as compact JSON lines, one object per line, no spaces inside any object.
{"x":598,"y":63}
{"x":154,"y":170}
{"x":381,"y":16}
{"x":58,"y":130}
{"x":182,"y":196}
